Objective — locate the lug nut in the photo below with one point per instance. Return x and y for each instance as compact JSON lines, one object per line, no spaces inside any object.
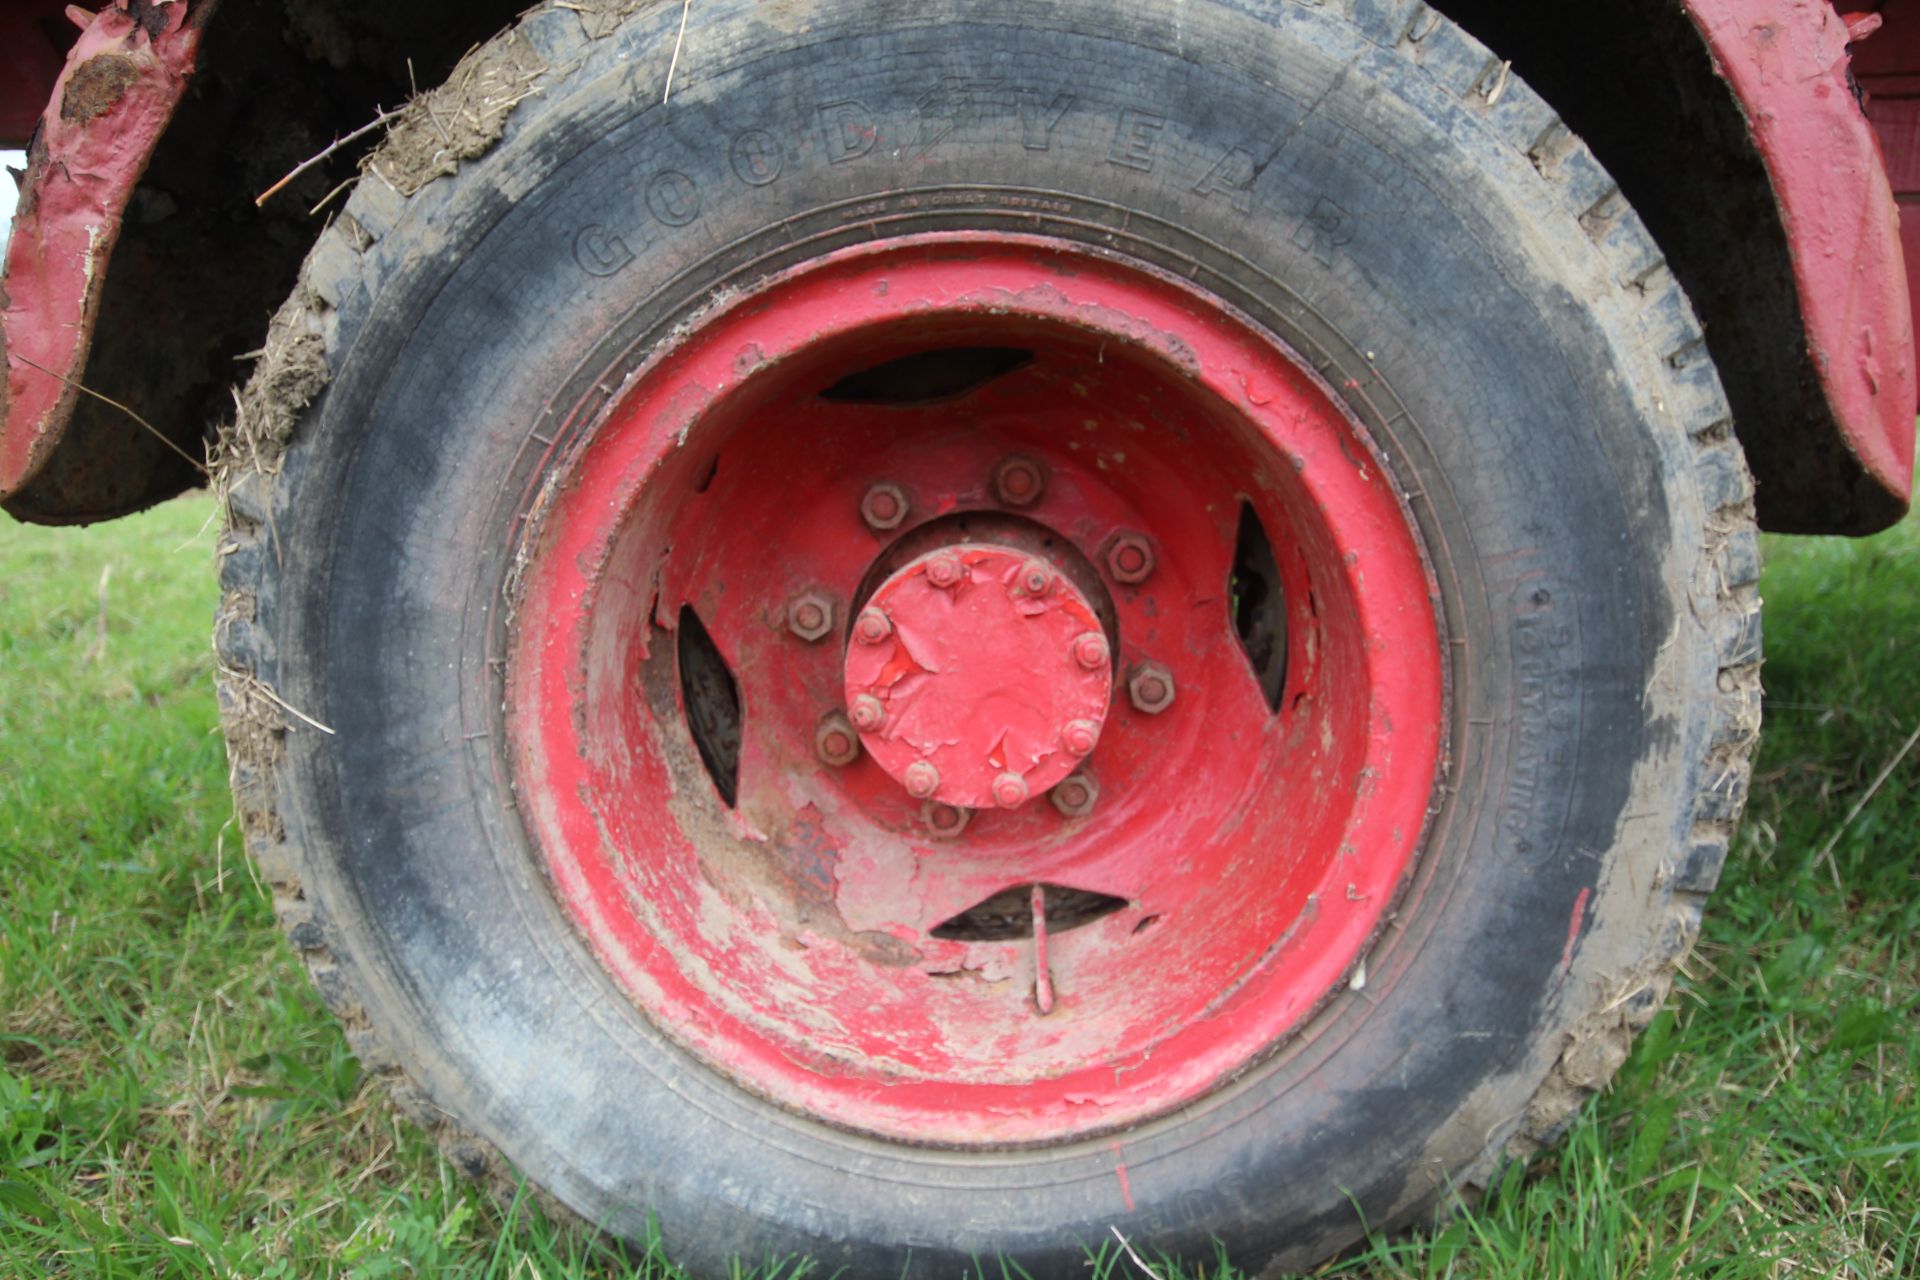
{"x":1130,"y":559}
{"x":945,"y":571}
{"x":810,"y":616}
{"x":945,"y":820}
{"x":1151,"y":688}
{"x":836,"y":741}
{"x":1035,"y":578}
{"x":1018,"y":481}
{"x":872,"y":626}
{"x":1080,"y":736}
{"x":869,"y":713}
{"x":922,"y":779}
{"x":884,"y":506}
{"x":1074,"y":795}
{"x":1091,"y":652}
{"x":1009,"y":791}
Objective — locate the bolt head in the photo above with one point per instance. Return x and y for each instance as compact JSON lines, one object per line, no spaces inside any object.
{"x":884,"y":506}
{"x":945,"y":820}
{"x":1130,"y":559}
{"x":810,"y":616}
{"x":836,"y":742}
{"x":1009,"y":791}
{"x":946,"y":572}
{"x":1091,"y":652}
{"x":921,"y":779}
{"x":868,"y":713}
{"x":1150,"y":688}
{"x":872,"y":626}
{"x":1018,"y":481}
{"x":1074,"y":795}
{"x":1080,"y":736}
{"x":1034,"y":579}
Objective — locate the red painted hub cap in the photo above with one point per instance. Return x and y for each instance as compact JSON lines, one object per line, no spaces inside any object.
{"x":988,"y":674}
{"x":976,"y":691}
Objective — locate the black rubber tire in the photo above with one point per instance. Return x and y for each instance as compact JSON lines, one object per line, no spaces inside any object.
{"x":1358,"y":176}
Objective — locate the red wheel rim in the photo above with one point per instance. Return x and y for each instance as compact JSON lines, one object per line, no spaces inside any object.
{"x":1189,"y":865}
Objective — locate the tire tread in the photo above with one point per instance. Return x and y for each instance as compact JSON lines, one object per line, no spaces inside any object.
{"x":1726,"y":598}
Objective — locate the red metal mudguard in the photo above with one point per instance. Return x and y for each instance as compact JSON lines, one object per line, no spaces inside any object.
{"x":1787,"y":63}
{"x":121,"y":83}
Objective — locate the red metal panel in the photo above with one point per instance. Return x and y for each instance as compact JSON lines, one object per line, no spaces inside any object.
{"x":122,"y":81}
{"x":1787,"y":62}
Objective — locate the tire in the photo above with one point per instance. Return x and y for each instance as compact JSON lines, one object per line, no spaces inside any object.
{"x":1358,"y":182}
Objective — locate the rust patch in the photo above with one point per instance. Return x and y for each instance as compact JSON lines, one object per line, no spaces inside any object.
{"x":96,"y":85}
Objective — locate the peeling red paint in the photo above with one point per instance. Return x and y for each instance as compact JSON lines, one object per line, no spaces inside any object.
{"x":122,"y":81}
{"x":1120,"y":1174}
{"x":1787,"y":63}
{"x":806,"y":965}
{"x":977,"y":677}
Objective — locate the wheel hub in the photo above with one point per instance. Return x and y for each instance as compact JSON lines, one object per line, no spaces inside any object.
{"x":979,"y":676}
{"x":1013,"y":479}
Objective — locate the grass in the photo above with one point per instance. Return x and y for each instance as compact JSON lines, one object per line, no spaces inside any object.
{"x":175,"y":1102}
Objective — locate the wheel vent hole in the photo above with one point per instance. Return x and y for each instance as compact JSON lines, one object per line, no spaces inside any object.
{"x":928,"y":377}
{"x":1008,"y":914}
{"x":711,"y":697}
{"x":1259,"y":606}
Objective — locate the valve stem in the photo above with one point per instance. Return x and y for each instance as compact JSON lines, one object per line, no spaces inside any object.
{"x":1042,"y":980}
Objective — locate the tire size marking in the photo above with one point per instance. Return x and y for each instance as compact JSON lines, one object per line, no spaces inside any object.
{"x":1134,"y":138}
{"x":599,"y":252}
{"x":1325,"y":228}
{"x":672,"y":198}
{"x":1232,"y":176}
{"x":1038,"y":122}
{"x":756,"y":157}
{"x":955,"y":102}
{"x":848,"y":129}
{"x":1545,"y":655}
